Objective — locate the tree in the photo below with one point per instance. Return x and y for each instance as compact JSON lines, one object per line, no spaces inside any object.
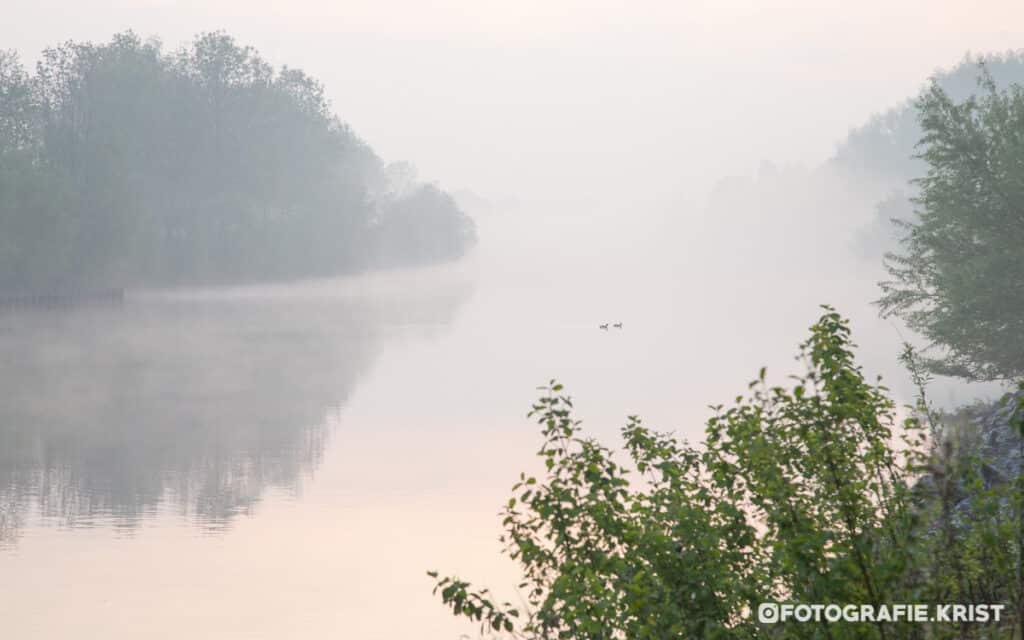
{"x":16,"y":121}
{"x":883,"y":148}
{"x":420,"y":225}
{"x":958,"y":277}
{"x":881,"y":153}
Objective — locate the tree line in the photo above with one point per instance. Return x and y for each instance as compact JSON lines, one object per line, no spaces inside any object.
{"x":123,"y":164}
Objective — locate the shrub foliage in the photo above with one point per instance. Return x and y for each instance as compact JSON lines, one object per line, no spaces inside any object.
{"x":809,"y":493}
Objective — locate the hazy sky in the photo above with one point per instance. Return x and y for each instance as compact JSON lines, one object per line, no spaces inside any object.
{"x":577,"y":100}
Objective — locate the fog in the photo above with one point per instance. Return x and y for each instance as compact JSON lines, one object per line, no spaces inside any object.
{"x":565,"y":99}
{"x":238,"y":458}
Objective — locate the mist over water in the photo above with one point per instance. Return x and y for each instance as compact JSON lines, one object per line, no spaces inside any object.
{"x":287,"y":460}
{"x":302,"y":453}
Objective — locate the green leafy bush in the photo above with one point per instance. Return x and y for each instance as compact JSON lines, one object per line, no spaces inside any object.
{"x":811,"y":493}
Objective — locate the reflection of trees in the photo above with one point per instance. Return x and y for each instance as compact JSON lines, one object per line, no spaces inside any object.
{"x":201,"y":402}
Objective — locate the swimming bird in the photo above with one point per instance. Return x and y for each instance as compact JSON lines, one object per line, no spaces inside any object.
{"x":603,"y":326}
{"x":617,"y":325}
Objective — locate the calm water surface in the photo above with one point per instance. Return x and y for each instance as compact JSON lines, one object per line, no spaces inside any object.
{"x":287,"y":461}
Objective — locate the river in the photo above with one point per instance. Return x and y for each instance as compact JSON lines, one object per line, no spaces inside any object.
{"x":287,"y":461}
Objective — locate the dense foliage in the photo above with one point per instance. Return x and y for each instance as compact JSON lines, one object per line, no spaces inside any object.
{"x":814,"y":493}
{"x":123,"y":164}
{"x":957,"y":278}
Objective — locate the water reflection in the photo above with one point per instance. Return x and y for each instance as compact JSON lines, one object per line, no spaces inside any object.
{"x":195,"y":401}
